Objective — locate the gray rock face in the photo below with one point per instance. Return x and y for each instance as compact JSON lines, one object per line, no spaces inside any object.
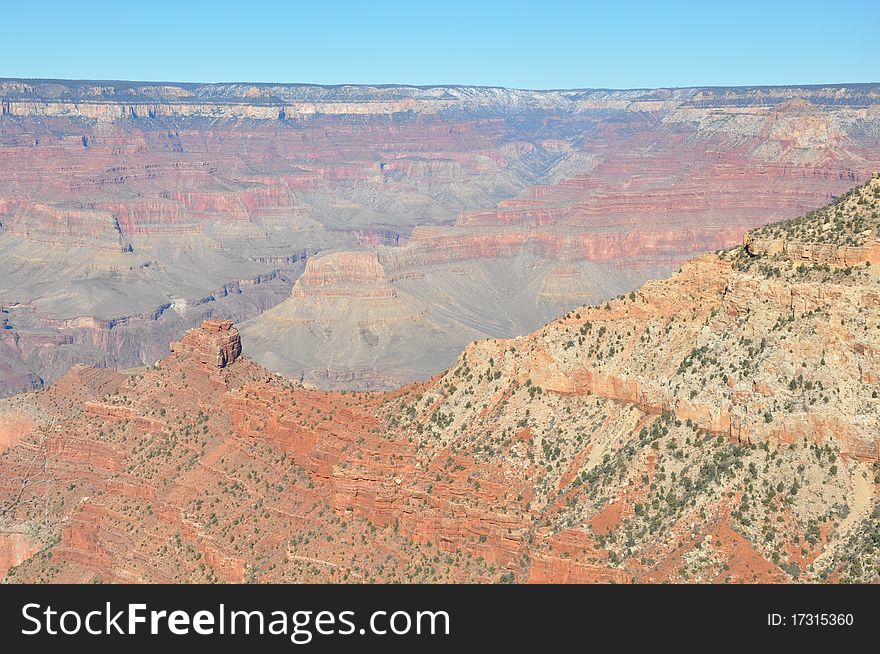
{"x":131,"y":212}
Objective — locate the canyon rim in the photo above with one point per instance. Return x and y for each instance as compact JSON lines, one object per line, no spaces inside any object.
{"x":718,"y":425}
{"x":362,"y":236}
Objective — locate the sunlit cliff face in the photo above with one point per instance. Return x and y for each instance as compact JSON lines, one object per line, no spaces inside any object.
{"x":130,"y":213}
{"x":719,"y":425}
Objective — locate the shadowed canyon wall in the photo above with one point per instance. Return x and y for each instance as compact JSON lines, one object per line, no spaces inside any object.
{"x":719,"y":425}
{"x":130,"y":212}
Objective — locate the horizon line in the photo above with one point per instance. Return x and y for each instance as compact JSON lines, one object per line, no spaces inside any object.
{"x":442,"y":86}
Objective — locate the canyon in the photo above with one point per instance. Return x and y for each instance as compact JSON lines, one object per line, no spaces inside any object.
{"x":362,"y":236}
{"x":718,"y":425}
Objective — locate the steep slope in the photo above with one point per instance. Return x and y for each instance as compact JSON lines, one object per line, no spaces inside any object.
{"x":130,"y":212}
{"x":720,"y":425}
{"x":380,"y":319}
{"x":346,"y":325}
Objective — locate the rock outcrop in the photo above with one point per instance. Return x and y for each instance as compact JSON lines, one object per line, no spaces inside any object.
{"x":344,"y":274}
{"x":131,"y":212}
{"x":215,"y":344}
{"x":720,"y":425}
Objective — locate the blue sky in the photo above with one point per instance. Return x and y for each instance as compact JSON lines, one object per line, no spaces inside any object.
{"x":549,"y":44}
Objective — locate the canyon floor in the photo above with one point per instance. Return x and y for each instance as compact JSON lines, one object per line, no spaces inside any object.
{"x":719,"y":425}
{"x":361,"y":236}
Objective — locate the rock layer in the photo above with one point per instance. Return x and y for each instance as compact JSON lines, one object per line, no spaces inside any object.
{"x":716,"y":426}
{"x":215,"y":344}
{"x":131,"y":212}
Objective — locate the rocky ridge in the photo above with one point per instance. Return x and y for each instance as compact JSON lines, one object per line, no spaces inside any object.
{"x":215,"y":345}
{"x":130,"y":212}
{"x":717,"y":426}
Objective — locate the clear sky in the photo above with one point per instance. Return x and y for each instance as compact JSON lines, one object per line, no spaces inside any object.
{"x":548,"y":44}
